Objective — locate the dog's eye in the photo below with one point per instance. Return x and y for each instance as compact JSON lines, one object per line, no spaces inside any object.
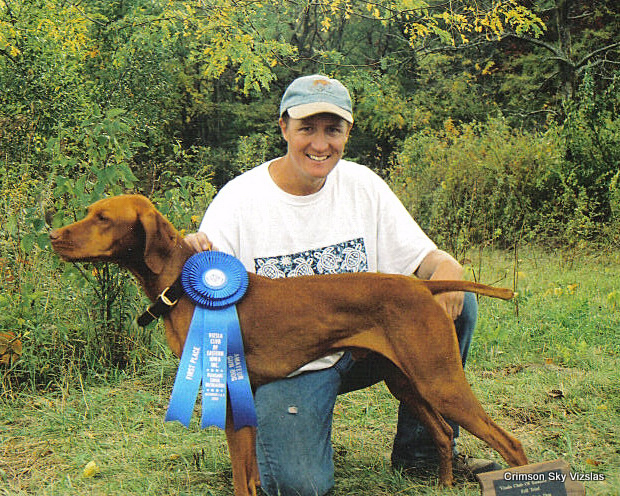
{"x":102,"y":217}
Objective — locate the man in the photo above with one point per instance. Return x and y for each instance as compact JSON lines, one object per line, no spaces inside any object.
{"x":311,"y":212}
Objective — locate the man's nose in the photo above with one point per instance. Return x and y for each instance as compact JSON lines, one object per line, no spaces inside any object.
{"x":320,"y":142}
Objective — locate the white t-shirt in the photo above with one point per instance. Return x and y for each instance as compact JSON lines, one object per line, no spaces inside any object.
{"x":354,"y":223}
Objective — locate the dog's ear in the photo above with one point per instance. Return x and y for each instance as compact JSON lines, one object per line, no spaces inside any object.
{"x":159,"y":240}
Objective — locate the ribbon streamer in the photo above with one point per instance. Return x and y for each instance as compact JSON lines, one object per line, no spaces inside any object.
{"x":213,"y":351}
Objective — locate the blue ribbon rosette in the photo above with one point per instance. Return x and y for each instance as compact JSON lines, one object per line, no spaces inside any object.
{"x":213,"y":352}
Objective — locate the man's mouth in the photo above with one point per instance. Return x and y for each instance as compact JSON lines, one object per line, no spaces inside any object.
{"x":318,"y":158}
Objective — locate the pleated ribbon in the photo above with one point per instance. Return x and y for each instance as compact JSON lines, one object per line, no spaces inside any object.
{"x":213,"y":351}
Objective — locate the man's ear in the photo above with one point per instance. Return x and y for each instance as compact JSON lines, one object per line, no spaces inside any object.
{"x":158,"y":241}
{"x":349,"y":127}
{"x":283,"y":128}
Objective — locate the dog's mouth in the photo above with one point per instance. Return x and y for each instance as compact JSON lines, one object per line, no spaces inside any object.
{"x":70,"y":252}
{"x":73,"y":257}
{"x":66,"y":252}
{"x":61,"y":247}
{"x":64,"y":245}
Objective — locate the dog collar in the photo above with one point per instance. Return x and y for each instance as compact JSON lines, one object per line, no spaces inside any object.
{"x":164,"y":303}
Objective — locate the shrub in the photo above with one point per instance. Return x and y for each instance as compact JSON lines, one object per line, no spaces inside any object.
{"x":77,"y":320}
{"x":478,"y":183}
{"x":591,"y":138}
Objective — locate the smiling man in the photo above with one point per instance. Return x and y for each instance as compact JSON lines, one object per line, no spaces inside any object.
{"x":312,"y":212}
{"x":315,"y":146}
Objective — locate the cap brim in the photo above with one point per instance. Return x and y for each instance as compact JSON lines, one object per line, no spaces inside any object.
{"x":308,"y":109}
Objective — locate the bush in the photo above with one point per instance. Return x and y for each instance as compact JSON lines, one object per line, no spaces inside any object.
{"x":479,"y":183}
{"x":77,"y":320}
{"x":487,"y":183}
{"x":591,"y":137}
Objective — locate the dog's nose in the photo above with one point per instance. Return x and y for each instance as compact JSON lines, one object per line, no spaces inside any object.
{"x":54,"y":235}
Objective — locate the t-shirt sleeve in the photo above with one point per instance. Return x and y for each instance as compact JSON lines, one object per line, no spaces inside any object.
{"x":401,"y":243}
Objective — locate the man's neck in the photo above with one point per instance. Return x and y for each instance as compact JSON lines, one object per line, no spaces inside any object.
{"x":283,"y":175}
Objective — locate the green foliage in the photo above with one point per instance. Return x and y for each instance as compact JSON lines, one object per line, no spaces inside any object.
{"x":450,"y":86}
{"x":252,"y":150}
{"x":175,"y":98}
{"x":42,"y":81}
{"x":487,"y":183}
{"x":93,"y":160}
{"x":614,"y":202}
{"x":78,"y":316}
{"x":481,"y":183}
{"x":591,"y":133}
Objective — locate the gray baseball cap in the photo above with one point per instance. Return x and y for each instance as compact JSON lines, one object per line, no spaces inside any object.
{"x":316,"y":94}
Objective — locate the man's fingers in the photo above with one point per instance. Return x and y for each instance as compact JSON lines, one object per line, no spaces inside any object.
{"x":452,"y":303}
{"x":198,"y":242}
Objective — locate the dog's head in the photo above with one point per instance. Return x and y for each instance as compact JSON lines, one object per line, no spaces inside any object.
{"x":122,"y":229}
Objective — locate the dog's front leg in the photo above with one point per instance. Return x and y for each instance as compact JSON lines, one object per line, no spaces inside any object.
{"x":242,"y":450}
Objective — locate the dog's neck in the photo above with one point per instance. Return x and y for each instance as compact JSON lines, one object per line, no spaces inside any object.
{"x":155,"y":258}
{"x":177,"y":320}
{"x":154,"y":283}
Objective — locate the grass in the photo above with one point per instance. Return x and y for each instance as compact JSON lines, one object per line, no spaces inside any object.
{"x":549,"y":375}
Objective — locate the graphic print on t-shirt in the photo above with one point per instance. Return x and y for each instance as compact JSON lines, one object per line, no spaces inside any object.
{"x":348,"y":256}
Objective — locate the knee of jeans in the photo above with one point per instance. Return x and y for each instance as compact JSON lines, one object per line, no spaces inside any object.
{"x":301,"y":483}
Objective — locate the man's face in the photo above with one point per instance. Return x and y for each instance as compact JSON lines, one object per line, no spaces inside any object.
{"x":315,"y":144}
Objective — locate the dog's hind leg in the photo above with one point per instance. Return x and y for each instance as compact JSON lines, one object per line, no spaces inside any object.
{"x":458,"y":403}
{"x":466,"y":410}
{"x":451,"y":395}
{"x":436,"y":375}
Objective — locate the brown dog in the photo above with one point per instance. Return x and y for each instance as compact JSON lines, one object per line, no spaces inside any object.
{"x":287,"y":323}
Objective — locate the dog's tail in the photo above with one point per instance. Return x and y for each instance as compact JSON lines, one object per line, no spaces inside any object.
{"x":473,"y":287}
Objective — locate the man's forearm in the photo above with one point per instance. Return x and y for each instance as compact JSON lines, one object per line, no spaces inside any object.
{"x":439,"y":265}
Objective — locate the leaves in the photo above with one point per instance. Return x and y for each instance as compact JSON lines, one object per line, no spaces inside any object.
{"x":91,"y":469}
{"x":231,"y":35}
{"x":10,"y":348}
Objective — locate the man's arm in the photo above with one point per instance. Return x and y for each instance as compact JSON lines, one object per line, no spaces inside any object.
{"x":440,"y":265}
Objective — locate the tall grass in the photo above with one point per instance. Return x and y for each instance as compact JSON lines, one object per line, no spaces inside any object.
{"x":549,"y":375}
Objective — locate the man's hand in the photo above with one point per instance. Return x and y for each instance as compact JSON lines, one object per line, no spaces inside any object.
{"x":452,"y":303}
{"x":198,"y":242}
{"x":440,"y":265}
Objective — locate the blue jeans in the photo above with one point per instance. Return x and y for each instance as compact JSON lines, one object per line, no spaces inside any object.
{"x":293,"y":442}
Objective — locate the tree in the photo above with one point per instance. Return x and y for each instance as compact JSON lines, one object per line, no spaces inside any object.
{"x":41,"y":82}
{"x":208,"y":73}
{"x":596,"y":49}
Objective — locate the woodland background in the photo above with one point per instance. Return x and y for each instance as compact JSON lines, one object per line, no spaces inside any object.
{"x":495,"y":122}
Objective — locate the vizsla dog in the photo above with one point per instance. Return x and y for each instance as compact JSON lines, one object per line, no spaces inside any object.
{"x":287,"y":323}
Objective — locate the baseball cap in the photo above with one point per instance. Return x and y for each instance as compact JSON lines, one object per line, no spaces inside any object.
{"x":310,"y":95}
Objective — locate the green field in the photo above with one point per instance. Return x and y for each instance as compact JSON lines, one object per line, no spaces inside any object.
{"x":546,"y":368}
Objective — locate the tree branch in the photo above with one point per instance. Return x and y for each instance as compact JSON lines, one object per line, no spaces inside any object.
{"x":558,"y":53}
{"x":585,"y":59}
{"x":8,"y":56}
